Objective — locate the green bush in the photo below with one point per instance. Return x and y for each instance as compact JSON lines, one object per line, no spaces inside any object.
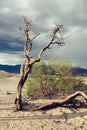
{"x":53,"y":78}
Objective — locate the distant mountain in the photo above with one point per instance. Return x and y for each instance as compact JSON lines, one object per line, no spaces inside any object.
{"x":10,"y":68}
{"x":16,"y":69}
{"x":79,"y":71}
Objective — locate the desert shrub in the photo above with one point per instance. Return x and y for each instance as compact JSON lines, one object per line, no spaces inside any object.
{"x":80,"y":85}
{"x":53,"y":78}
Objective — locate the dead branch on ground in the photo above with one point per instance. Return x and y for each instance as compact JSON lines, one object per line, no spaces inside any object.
{"x":70,"y":100}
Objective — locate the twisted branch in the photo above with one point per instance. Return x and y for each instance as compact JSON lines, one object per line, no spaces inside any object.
{"x":68,"y":100}
{"x":54,"y":40}
{"x":28,"y":40}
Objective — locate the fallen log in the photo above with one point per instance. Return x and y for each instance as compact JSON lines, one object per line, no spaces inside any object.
{"x":68,"y":101}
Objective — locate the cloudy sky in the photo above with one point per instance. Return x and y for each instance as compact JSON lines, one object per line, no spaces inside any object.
{"x":44,"y":14}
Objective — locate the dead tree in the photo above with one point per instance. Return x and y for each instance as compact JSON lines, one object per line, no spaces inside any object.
{"x":56,"y":38}
{"x":68,"y":101}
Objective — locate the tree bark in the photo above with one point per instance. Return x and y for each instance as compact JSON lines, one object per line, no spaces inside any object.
{"x":24,"y":75}
{"x":23,"y":78}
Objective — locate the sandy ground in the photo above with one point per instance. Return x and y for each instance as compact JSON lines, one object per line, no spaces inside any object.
{"x":54,"y":119}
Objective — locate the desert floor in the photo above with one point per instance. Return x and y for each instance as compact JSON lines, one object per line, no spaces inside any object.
{"x":54,"y":119}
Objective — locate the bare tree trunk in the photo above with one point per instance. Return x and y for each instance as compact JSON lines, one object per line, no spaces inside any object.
{"x":18,"y":100}
{"x":28,"y":64}
{"x":68,"y":100}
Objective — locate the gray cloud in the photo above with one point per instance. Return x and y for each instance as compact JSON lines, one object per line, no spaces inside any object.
{"x":44,"y":14}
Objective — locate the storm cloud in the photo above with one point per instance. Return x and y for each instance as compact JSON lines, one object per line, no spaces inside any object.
{"x":44,"y":14}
